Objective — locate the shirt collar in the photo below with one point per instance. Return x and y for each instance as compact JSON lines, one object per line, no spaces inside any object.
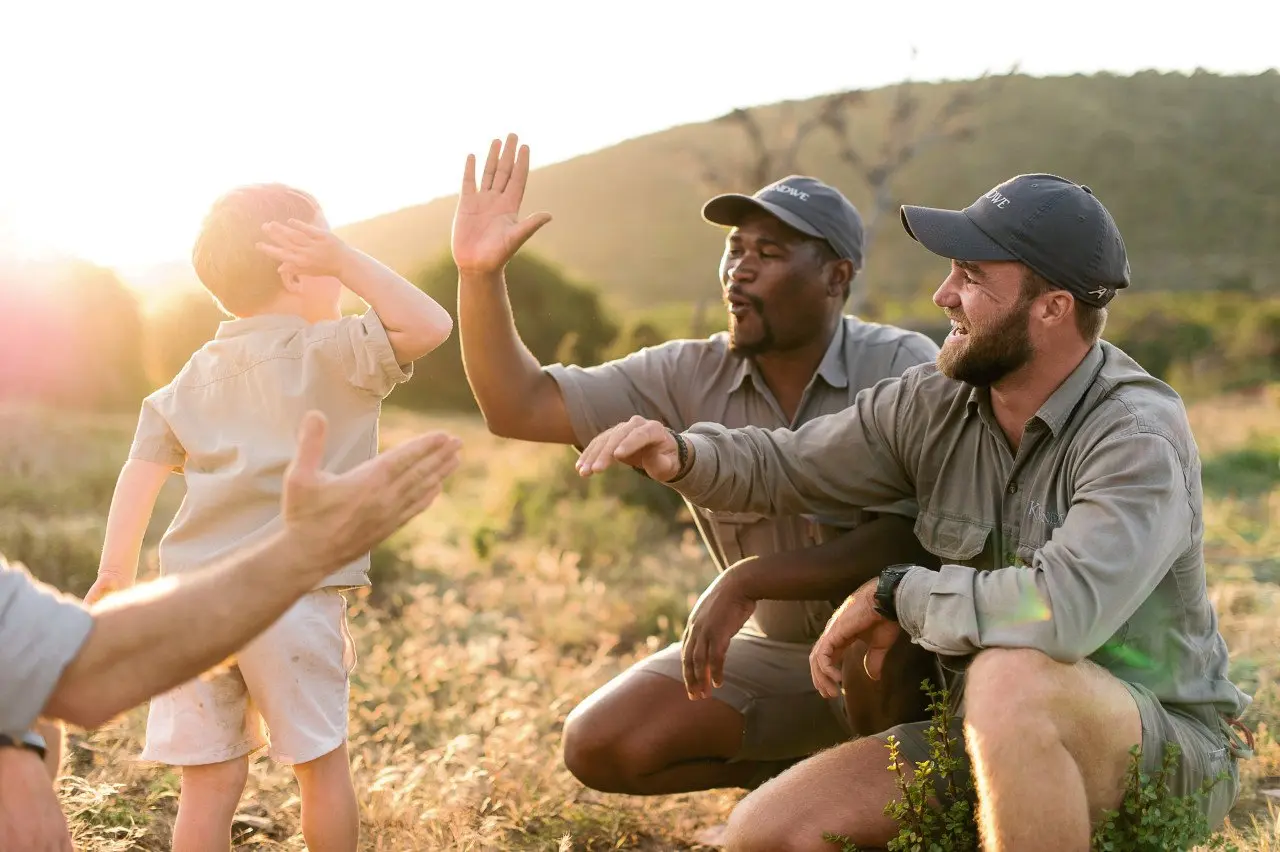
{"x":1058,"y":407}
{"x":1056,"y":410}
{"x":261,"y":322}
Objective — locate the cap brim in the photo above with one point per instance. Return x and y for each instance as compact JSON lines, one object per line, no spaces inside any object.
{"x":951,"y":234}
{"x":730,"y":209}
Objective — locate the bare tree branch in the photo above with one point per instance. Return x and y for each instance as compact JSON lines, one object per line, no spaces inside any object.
{"x":910,"y":130}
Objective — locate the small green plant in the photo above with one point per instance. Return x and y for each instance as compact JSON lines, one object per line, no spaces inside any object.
{"x":1149,"y":818}
{"x":935,"y":810}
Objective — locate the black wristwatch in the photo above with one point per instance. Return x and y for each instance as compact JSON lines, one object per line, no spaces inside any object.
{"x":886,"y":588}
{"x":30,"y":741}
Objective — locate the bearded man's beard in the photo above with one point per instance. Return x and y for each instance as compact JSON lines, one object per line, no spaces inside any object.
{"x":984,"y":356}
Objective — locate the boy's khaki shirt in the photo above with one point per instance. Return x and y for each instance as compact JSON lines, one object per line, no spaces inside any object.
{"x":229,"y":423}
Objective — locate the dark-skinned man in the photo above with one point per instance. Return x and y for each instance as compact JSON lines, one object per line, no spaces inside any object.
{"x":789,"y":356}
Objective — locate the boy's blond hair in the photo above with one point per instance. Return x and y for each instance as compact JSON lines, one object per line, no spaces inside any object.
{"x":239,"y":277}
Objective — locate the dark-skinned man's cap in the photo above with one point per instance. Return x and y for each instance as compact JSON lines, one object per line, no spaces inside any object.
{"x":806,"y":204}
{"x":1058,"y":228}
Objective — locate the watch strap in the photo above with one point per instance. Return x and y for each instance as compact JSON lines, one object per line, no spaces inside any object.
{"x":886,"y":590}
{"x":30,"y":741}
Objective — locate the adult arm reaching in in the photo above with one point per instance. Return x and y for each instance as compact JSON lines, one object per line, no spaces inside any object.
{"x":145,"y":640}
{"x":775,"y":471}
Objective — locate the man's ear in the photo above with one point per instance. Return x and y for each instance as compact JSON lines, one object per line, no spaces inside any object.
{"x":840,"y":275}
{"x":1058,"y":307}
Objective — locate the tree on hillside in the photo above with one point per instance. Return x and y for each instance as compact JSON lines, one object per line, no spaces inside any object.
{"x":774,"y":151}
{"x":70,"y":336}
{"x":559,"y":319}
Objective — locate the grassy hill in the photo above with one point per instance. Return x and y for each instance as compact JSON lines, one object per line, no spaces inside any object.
{"x":1184,"y":162}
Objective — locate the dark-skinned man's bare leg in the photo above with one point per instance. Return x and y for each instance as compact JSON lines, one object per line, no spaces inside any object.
{"x":642,"y":735}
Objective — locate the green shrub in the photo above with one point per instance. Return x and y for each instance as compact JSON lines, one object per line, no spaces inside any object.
{"x":935,"y":811}
{"x":1252,"y":471}
{"x":605,"y":518}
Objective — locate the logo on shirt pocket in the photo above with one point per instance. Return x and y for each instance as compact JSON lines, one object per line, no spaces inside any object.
{"x":1037,"y":513}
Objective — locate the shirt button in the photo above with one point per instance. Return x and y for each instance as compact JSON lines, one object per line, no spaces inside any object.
{"x":1013,"y":488}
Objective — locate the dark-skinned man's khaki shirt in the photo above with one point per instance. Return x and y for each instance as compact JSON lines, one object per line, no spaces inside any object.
{"x":682,"y":382}
{"x":1092,"y":529}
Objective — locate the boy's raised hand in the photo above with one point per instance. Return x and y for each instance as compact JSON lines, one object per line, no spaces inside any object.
{"x":487,"y":229}
{"x":303,"y":248}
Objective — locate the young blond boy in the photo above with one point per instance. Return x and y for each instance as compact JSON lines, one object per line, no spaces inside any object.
{"x":228,"y":421}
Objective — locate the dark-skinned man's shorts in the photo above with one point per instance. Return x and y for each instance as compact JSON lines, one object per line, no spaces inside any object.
{"x":769,"y":683}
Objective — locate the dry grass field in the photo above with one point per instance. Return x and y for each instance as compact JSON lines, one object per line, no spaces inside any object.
{"x":507,"y":603}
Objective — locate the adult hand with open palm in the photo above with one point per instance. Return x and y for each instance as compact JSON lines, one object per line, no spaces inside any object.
{"x":487,"y":229}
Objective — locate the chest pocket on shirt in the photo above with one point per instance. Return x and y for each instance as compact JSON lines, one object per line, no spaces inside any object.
{"x":951,"y":539}
{"x":1038,"y":525}
{"x":743,"y":534}
{"x":1028,"y":546}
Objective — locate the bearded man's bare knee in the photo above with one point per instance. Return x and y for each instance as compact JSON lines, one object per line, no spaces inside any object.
{"x":1021,"y":706}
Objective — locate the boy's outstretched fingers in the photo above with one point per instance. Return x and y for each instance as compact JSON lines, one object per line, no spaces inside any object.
{"x":506,"y":164}
{"x":469,"y":176}
{"x":420,"y":503}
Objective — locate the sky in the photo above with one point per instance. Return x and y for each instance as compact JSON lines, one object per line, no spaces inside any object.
{"x":121,"y":122}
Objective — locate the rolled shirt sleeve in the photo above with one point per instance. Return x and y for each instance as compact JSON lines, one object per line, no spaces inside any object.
{"x":41,"y":632}
{"x":366,"y":355}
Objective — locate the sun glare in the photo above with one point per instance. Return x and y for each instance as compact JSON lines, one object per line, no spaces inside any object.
{"x":135,"y":122}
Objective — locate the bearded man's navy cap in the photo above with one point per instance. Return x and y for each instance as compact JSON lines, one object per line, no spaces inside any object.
{"x":806,"y":204}
{"x":1055,"y":226}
